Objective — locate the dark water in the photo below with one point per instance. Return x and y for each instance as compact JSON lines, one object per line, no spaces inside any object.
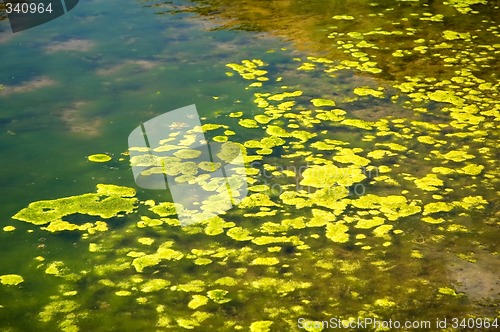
{"x":408,"y":150}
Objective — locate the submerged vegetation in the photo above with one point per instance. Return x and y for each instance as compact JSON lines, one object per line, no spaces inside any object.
{"x":372,"y":175}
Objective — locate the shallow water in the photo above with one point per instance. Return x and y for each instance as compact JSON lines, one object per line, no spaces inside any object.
{"x":378,"y":199}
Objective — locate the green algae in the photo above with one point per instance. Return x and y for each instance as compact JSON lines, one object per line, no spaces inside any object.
{"x":193,"y":286}
{"x":457,"y":156}
{"x":432,"y":220}
{"x":99,"y":158}
{"x":265,"y":240}
{"x":226,"y":281}
{"x":123,"y":293}
{"x":163,"y":253}
{"x":187,"y":154}
{"x":56,"y":308}
{"x":383,"y":232}
{"x":197,"y":301}
{"x":361,"y":124}
{"x":330,"y":175}
{"x":261,"y":326}
{"x":248,"y":123}
{"x":327,"y":202}
{"x":322,"y":102}
{"x":166,"y":209}
{"x":279,"y":286}
{"x":216,"y":225}
{"x":365,"y":91}
{"x":154,"y":285}
{"x":202,"y":261}
{"x":257,"y":200}
{"x":146,"y":241}
{"x":347,"y":156}
{"x":268,"y":261}
{"x":437,"y":207}
{"x":230,"y":151}
{"x":218,"y":296}
{"x":277,"y":131}
{"x":239,"y":234}
{"x":343,"y":17}
{"x":447,"y":291}
{"x":262,"y":119}
{"x":429,"y":183}
{"x":337,"y":232}
{"x":55,"y":268}
{"x":443,"y":96}
{"x":109,"y":202}
{"x":369,"y":223}
{"x":195,"y":320}
{"x":11,"y":279}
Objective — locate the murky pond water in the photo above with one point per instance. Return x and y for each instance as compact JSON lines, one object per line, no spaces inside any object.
{"x":369,"y":135}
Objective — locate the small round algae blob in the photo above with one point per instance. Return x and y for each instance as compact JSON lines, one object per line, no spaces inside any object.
{"x":123,"y":293}
{"x":99,"y":158}
{"x":9,"y":228}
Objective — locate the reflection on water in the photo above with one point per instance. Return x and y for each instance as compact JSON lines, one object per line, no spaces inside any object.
{"x":370,"y":139}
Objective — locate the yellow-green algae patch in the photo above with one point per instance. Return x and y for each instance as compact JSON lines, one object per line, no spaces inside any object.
{"x":193,"y":286}
{"x":164,"y":252}
{"x":216,"y":225}
{"x":99,"y":158}
{"x":280,"y":286}
{"x":337,"y":232}
{"x":447,"y":291}
{"x":109,"y":201}
{"x":11,"y":279}
{"x":218,"y":296}
{"x":187,"y":154}
{"x":365,"y":91}
{"x":123,"y":293}
{"x":197,"y":301}
{"x":437,"y":207}
{"x":322,"y":102}
{"x":458,"y":156}
{"x":154,"y":285}
{"x":431,"y":220}
{"x":265,"y":261}
{"x":226,"y":281}
{"x":369,"y":223}
{"x":261,"y":326}
{"x":55,"y":268}
{"x":239,"y":234}
{"x":329,"y":175}
{"x":429,"y":183}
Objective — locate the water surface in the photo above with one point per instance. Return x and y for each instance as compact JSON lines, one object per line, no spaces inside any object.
{"x":378,"y":198}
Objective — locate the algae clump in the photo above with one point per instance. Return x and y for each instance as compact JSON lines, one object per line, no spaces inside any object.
{"x":197,"y":301}
{"x":218,"y":296}
{"x":108,"y":202}
{"x":154,"y":285}
{"x":265,"y":261}
{"x":331,"y":175}
{"x":337,"y":232}
{"x":239,"y":234}
{"x":261,"y":326}
{"x":99,"y":158}
{"x":11,"y":279}
{"x":322,"y":102}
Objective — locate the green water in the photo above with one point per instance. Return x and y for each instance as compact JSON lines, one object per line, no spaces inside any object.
{"x":408,"y":233}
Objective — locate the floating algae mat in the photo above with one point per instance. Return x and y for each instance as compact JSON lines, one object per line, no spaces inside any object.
{"x":369,"y":135}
